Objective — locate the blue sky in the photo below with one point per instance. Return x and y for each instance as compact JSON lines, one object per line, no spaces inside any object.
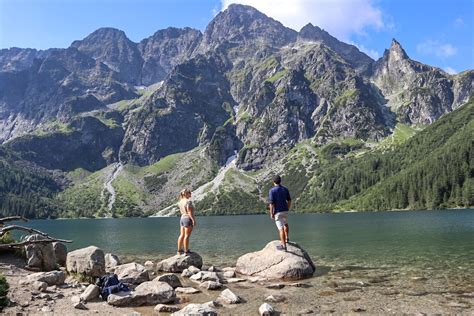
{"x":436,"y":32}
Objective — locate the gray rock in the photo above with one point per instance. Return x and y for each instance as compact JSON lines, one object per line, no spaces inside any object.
{"x":275,"y":298}
{"x":211,"y":285}
{"x":235,"y":280}
{"x":210,"y":276}
{"x":193,"y":269}
{"x":228,"y":297}
{"x":207,"y":309}
{"x":80,"y":305}
{"x":266,"y":310}
{"x":149,"y":265}
{"x":169,"y":278}
{"x":60,"y":252}
{"x":275,"y":286}
{"x":132,"y":273}
{"x":46,"y":309}
{"x":271,"y":263}
{"x":50,"y":278}
{"x":229,"y":274}
{"x":39,"y":286}
{"x":88,"y":261}
{"x":212,"y":269}
{"x":186,"y":290}
{"x":197,"y":276}
{"x":111,"y":261}
{"x":162,"y":308}
{"x":40,"y":256}
{"x":147,"y":293}
{"x":91,"y":293}
{"x":180,"y":262}
{"x":186,"y":273}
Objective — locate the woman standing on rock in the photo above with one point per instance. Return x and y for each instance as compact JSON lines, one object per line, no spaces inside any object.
{"x":187,"y":221}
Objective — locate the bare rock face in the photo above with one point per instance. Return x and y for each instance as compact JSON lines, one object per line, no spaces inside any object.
{"x":40,"y":256}
{"x":132,"y":273}
{"x":89,"y":261}
{"x":147,"y":293}
{"x":180,"y":262}
{"x":271,"y":263}
{"x":60,"y":252}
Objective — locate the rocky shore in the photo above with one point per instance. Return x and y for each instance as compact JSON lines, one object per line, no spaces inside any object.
{"x":267,"y":282}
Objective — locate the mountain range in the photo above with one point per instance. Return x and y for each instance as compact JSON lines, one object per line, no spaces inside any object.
{"x":110,"y":127}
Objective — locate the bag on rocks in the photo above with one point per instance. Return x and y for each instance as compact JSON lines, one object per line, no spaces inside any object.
{"x":109,"y":284}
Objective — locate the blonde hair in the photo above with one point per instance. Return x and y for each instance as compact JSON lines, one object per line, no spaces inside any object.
{"x":183,"y":193}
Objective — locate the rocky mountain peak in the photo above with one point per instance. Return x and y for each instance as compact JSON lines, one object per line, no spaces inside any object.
{"x":112,"y":47}
{"x":350,"y":53}
{"x":240,"y":24}
{"x":396,"y":51}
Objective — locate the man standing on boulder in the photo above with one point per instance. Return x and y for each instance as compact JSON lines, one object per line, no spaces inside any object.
{"x":280,"y":202}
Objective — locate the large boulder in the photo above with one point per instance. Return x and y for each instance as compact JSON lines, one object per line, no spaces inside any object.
{"x":170,"y":278}
{"x":60,"y":252}
{"x":111,"y":261}
{"x":180,"y":262}
{"x":40,"y":256}
{"x":270,"y":263}
{"x":132,"y":273}
{"x":147,"y":293}
{"x":89,"y":261}
{"x":208,"y":309}
{"x":50,"y":278}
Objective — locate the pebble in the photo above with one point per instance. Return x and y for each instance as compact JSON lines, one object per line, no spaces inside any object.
{"x":351,"y":298}
{"x":235,"y":280}
{"x":275,"y":298}
{"x":162,"y":308}
{"x":276,"y":286}
{"x":46,"y":309}
{"x":186,"y":290}
{"x":80,"y":305}
{"x":305,"y":312}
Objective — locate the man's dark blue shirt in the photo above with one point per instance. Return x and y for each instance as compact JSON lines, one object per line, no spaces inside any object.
{"x":278,"y":196}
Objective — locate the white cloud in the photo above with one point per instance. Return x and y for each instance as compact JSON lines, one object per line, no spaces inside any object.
{"x":450,"y":70}
{"x":441,"y":50}
{"x":459,"y":22}
{"x":341,"y":18}
{"x":371,"y":52}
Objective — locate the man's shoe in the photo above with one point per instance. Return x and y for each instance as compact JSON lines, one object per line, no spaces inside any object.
{"x":281,"y":247}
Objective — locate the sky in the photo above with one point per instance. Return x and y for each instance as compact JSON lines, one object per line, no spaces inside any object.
{"x":435,"y":32}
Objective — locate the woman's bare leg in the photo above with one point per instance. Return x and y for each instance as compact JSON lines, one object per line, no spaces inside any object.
{"x":187,"y":234}
{"x":180,"y":239}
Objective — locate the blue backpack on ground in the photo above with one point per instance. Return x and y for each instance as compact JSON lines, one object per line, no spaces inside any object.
{"x":109,"y":284}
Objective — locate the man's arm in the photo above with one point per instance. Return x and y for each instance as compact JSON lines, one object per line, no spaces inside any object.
{"x":272,"y":210}
{"x":289,"y":204}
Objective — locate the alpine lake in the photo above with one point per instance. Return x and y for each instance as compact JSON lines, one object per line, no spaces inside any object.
{"x":397,"y":258}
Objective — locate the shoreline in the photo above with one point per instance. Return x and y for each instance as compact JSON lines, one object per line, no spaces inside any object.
{"x":339,"y":289}
{"x":264,"y":213}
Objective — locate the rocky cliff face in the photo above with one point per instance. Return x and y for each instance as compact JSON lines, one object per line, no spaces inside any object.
{"x":418,"y":93}
{"x":112,"y":47}
{"x":164,"y":50}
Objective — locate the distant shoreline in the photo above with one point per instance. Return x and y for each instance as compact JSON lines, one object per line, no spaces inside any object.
{"x":264,"y":213}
